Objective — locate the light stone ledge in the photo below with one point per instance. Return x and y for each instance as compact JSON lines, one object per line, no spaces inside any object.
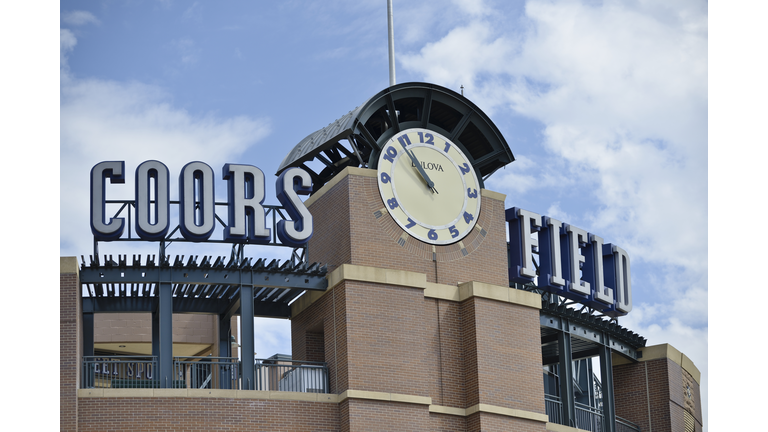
{"x":68,"y":265}
{"x":656,"y":352}
{"x":493,"y":195}
{"x":376,"y":275}
{"x":208,"y":393}
{"x":492,"y":409}
{"x":466,"y":290}
{"x":387,"y":397}
{"x":509,"y":412}
{"x":554,"y":427}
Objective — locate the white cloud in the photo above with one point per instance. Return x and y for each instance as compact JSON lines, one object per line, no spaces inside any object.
{"x":133,"y":122}
{"x":188,"y":51}
{"x":78,"y":18}
{"x":194,"y":12}
{"x":472,"y":7}
{"x":621,"y":91}
{"x":67,"y":42}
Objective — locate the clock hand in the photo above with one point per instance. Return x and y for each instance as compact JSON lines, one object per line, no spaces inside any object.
{"x":415,"y":161}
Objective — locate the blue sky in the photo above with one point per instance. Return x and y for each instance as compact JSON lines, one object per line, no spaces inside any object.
{"x":603,"y":103}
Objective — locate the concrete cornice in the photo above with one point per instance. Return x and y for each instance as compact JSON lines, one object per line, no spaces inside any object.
{"x":661,"y":351}
{"x":464,"y":291}
{"x":499,"y":293}
{"x":381,"y":396}
{"x":208,"y":393}
{"x":320,"y":397}
{"x":68,"y":265}
{"x":493,"y":195}
{"x":491,"y":409}
{"x":483,"y":290}
{"x":554,"y":427}
{"x":376,"y":275}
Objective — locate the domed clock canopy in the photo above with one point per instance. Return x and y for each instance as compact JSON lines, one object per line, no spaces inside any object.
{"x":357,"y":138}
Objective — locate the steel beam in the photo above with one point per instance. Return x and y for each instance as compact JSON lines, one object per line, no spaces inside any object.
{"x":247,"y":342}
{"x":606,"y":380}
{"x":225,"y":349}
{"x":88,"y":334}
{"x":277,"y":278}
{"x":165,"y":335}
{"x":566,"y":378}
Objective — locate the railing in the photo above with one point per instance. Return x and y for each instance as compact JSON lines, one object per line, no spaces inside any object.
{"x":587,"y":418}
{"x":207,"y":372}
{"x":626,"y":425}
{"x":288,"y":375}
{"x":119,"y":372}
{"x":554,"y":408}
{"x":204,"y":372}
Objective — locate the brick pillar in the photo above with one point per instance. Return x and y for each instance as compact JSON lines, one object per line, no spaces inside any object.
{"x":70,"y":344}
{"x":661,"y":392}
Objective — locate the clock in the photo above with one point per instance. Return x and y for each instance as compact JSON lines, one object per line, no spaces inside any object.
{"x":428,"y":186}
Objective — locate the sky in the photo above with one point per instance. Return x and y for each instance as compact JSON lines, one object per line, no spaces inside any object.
{"x":605,"y":105}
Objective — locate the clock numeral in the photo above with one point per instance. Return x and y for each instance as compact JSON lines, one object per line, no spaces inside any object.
{"x":430,"y":138}
{"x":467,"y":217}
{"x":454,"y":232}
{"x":447,"y":147}
{"x":385,"y":178}
{"x":471,"y":193}
{"x":391,"y":153}
{"x":432,"y":235}
{"x":464,"y":168}
{"x":404,"y":140}
{"x":392,"y":203}
{"x":410,"y":224}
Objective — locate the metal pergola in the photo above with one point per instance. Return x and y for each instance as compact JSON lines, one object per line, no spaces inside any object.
{"x":239,"y":286}
{"x":569,"y":334}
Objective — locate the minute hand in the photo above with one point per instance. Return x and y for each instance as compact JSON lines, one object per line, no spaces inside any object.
{"x":430,"y":183}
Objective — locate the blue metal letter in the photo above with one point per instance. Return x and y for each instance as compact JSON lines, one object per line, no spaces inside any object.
{"x":116,"y":172}
{"x":289,"y":185}
{"x":196,"y":187}
{"x":245,"y":189}
{"x":156,"y":170}
{"x":616,"y":268}
{"x":550,"y":256}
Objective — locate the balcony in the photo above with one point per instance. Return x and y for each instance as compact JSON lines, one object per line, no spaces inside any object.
{"x":205,"y":373}
{"x":587,"y":417}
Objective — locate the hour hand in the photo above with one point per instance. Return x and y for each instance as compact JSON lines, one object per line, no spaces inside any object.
{"x":415,"y":161}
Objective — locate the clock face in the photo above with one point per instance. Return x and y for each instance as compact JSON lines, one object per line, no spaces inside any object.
{"x":428,"y":186}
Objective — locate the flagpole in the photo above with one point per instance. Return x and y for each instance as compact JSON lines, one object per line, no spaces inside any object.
{"x":391,"y":44}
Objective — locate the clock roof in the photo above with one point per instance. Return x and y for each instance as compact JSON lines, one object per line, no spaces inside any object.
{"x":356,"y":138}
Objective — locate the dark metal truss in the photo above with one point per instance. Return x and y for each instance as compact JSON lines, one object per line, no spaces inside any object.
{"x":356,"y":139}
{"x":210,"y":286}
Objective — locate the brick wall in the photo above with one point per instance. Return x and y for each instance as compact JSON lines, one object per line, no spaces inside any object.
{"x":445,"y":352}
{"x":138,"y":414}
{"x":70,"y":347}
{"x":660,"y":404}
{"x":327,"y":316}
{"x":388,"y":338}
{"x":375,"y":416}
{"x":507,"y":348}
{"x":369,"y":240}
